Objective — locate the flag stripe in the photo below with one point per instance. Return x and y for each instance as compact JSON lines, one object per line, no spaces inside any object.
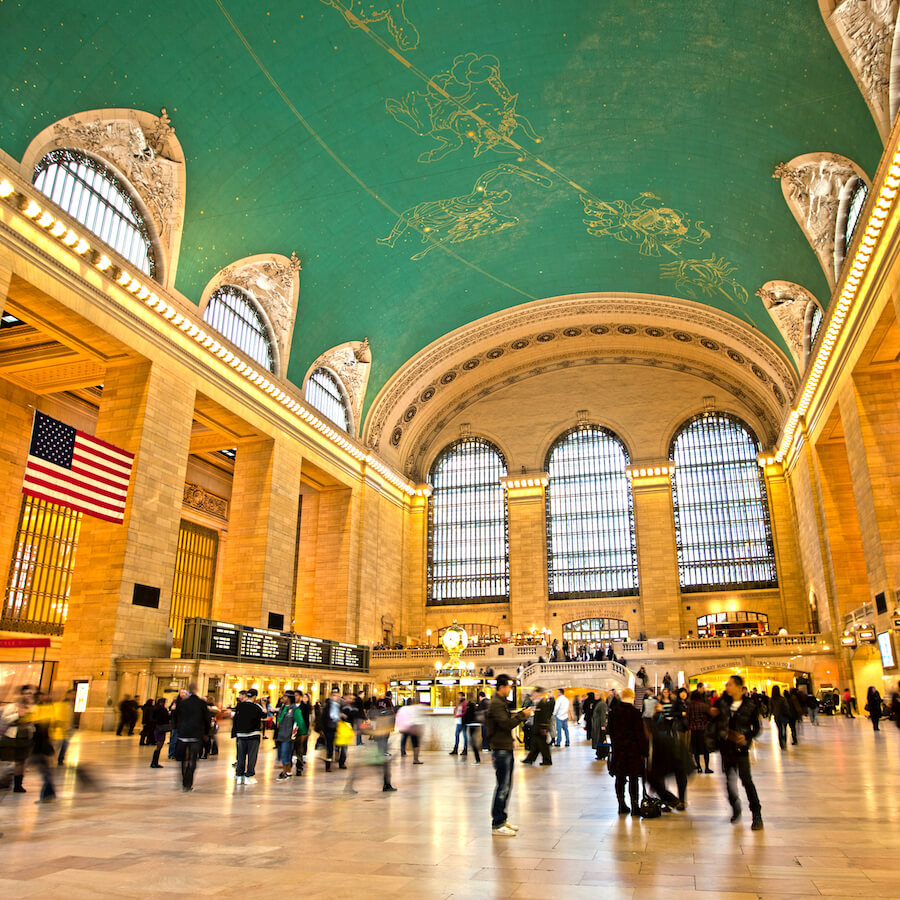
{"x":101,"y":471}
{"x":51,"y":474}
{"x":112,"y":448}
{"x":88,"y":448}
{"x":78,"y":507}
{"x":74,"y":496}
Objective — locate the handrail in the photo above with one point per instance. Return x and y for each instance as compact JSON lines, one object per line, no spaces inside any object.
{"x":567,"y":668}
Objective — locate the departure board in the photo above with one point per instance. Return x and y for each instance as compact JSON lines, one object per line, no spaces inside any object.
{"x":204,"y":639}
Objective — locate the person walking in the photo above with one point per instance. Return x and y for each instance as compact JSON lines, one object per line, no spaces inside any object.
{"x":128,"y":710}
{"x":587,"y":709}
{"x":629,"y":748}
{"x":328,"y":722}
{"x":500,"y":724}
{"x":161,"y":720}
{"x":667,"y":756}
{"x":193,"y":728}
{"x":459,"y":709}
{"x":289,"y":719}
{"x":301,"y":739}
{"x":543,"y":714}
{"x":16,"y":734}
{"x":698,"y":719}
{"x":472,"y":724}
{"x":483,"y":704}
{"x":847,"y":704}
{"x":409,"y":724}
{"x":873,"y":706}
{"x":600,"y":717}
{"x":247,"y":730}
{"x":738,"y":721}
{"x":561,"y":714}
{"x":146,"y":739}
{"x":812,"y":707}
{"x":780,"y":713}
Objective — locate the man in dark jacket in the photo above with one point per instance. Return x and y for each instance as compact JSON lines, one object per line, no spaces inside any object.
{"x":500,"y":724}
{"x":738,"y":721}
{"x":246,"y":727}
{"x":540,"y":737}
{"x":193,"y":726}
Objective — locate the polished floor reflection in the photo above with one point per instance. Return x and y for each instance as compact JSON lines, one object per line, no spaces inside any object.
{"x":830,"y":806}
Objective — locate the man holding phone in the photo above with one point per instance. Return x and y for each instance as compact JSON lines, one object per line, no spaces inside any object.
{"x":500,"y":724}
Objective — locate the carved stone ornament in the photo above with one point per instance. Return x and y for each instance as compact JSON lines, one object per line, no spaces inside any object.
{"x":866,"y":28}
{"x":142,"y":155}
{"x":812,"y":186}
{"x":272,"y":280}
{"x":197,"y":497}
{"x":351,"y":364}
{"x":787,"y":304}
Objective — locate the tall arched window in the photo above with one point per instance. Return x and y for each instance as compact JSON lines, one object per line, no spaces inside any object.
{"x":721,"y":510}
{"x":817,"y":317}
{"x":88,"y":191}
{"x":590,"y":516}
{"x":854,"y":211}
{"x":468,"y":544}
{"x":324,"y":393}
{"x":236,"y":317}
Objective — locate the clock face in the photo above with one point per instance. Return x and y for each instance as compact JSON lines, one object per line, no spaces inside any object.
{"x":451,"y":640}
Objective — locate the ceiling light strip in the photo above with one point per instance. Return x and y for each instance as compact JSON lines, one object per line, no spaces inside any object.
{"x":852,"y":280}
{"x":79,"y":244}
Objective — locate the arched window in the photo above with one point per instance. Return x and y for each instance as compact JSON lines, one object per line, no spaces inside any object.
{"x":815,"y":324}
{"x":236,"y":317}
{"x":324,"y":393}
{"x":721,"y":510}
{"x":88,"y":191}
{"x":590,"y":516}
{"x":854,"y":211}
{"x":468,"y":544}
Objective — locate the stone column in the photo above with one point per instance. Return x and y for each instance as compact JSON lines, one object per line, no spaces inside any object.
{"x":870,"y":415}
{"x":415,"y":549}
{"x":528,"y":592}
{"x":787,"y":551}
{"x":258,"y":570}
{"x":147,"y":410}
{"x":654,"y":522}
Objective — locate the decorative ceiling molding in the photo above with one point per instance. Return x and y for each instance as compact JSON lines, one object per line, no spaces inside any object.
{"x":766,"y":405}
{"x":812,"y":185}
{"x":865,"y":32}
{"x":273,"y":281}
{"x":351,"y":364}
{"x":599,"y":327}
{"x":788,"y":305}
{"x":143,"y":151}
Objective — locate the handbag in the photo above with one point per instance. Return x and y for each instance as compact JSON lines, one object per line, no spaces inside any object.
{"x":344,"y":736}
{"x":651,"y":807}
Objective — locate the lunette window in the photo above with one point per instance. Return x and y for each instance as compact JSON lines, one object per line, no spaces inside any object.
{"x":235,"y":315}
{"x":722,"y":525}
{"x":324,"y":393}
{"x":815,"y":324}
{"x":88,"y":191}
{"x":854,"y":211}
{"x":468,"y":530}
{"x":591,"y":548}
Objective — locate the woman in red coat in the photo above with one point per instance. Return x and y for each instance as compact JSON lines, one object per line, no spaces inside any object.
{"x":629,"y":749}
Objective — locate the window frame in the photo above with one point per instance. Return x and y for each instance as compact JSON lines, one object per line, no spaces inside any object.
{"x":63,"y":158}
{"x":431,"y":578}
{"x":343,"y":397}
{"x":598,"y":572}
{"x":704,"y":544}
{"x":265,"y":329}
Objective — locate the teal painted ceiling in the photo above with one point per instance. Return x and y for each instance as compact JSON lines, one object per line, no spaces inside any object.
{"x":433,"y":162}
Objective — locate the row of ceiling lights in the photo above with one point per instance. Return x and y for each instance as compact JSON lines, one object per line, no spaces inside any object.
{"x":79,"y":244}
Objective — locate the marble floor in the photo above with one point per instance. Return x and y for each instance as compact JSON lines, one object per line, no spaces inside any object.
{"x":830,"y":805}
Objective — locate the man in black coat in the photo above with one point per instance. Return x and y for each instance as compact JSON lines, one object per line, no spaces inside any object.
{"x":540,"y":736}
{"x":193,"y":722}
{"x":738,"y":720}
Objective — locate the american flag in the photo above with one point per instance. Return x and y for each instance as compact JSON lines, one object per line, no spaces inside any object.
{"x":74,"y":469}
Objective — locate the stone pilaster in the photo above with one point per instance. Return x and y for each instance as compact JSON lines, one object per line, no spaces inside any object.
{"x":147,"y":410}
{"x":528,"y":592}
{"x":415,"y":566}
{"x":258,"y":571}
{"x":654,"y":521}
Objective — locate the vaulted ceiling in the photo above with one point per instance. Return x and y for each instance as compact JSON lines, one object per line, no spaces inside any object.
{"x":459,"y":158}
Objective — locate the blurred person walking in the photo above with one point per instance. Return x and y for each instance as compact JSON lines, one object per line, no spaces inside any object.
{"x":409,"y":724}
{"x":540,"y":737}
{"x":146,"y":739}
{"x":600,"y":718}
{"x":780,"y":713}
{"x":500,"y":724}
{"x":459,"y":710}
{"x":873,"y":707}
{"x":698,"y":720}
{"x":161,"y":725}
{"x":301,"y":739}
{"x":16,"y":734}
{"x":193,"y":729}
{"x":738,"y":724}
{"x":561,"y":714}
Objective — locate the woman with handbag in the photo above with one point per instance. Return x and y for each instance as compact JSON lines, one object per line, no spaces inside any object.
{"x":873,"y":706}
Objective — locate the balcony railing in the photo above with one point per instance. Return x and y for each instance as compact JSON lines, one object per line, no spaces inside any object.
{"x":534,"y":672}
{"x":511,"y":651}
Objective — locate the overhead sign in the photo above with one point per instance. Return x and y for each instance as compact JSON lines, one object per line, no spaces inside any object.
{"x":208,"y":639}
{"x":8,"y":643}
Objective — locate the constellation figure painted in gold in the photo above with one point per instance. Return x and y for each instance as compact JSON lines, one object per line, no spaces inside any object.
{"x":462,"y":218}
{"x":467,"y":103}
{"x":645,"y":221}
{"x":706,"y":278}
{"x":402,"y":30}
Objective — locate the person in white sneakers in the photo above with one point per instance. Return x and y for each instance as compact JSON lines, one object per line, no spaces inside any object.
{"x":561,"y":714}
{"x":248,"y":718}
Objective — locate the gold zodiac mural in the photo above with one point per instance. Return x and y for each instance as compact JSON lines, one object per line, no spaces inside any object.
{"x":469,"y":103}
{"x":462,"y":218}
{"x":645,"y":221}
{"x":705,"y":278}
{"x":356,"y":13}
